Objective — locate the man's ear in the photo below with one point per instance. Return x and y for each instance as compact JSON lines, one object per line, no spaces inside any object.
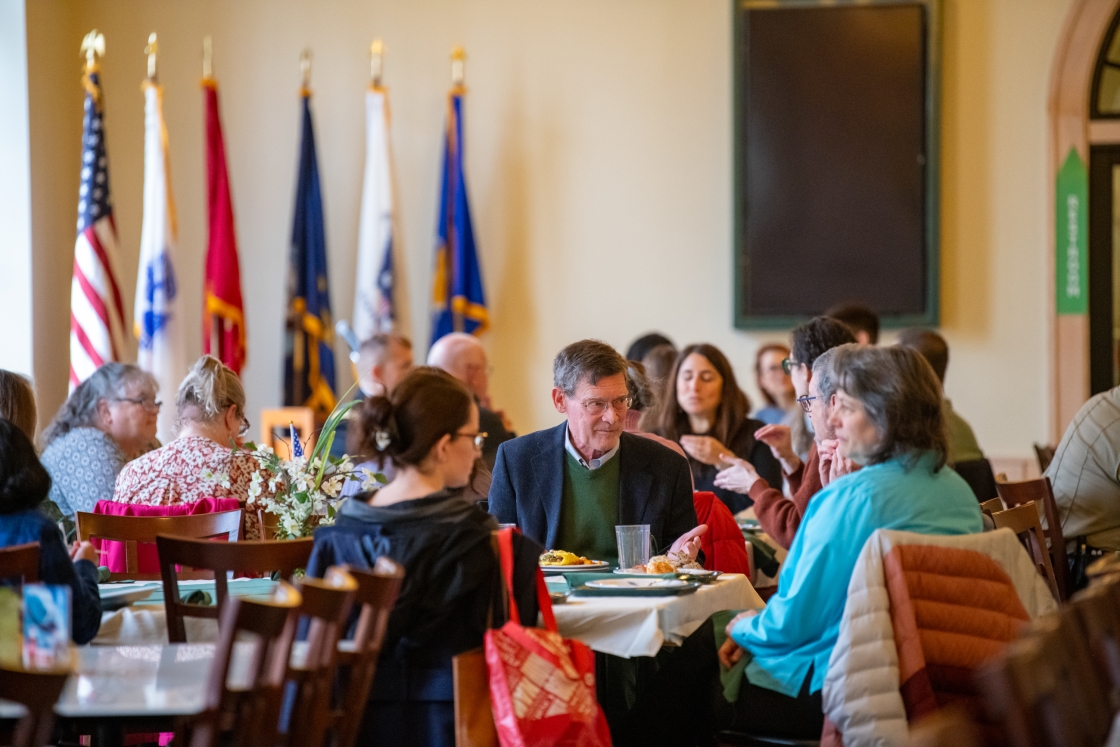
{"x":558,"y":400}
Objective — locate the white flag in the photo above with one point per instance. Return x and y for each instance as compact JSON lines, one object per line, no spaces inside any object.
{"x":373,"y":297}
{"x":157,"y":319}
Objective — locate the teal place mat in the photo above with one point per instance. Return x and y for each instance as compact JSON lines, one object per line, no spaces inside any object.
{"x":254,"y":587}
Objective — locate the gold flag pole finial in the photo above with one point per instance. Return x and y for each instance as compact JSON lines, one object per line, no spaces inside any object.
{"x":93,"y":46}
{"x":305,"y":71}
{"x":376,"y":62}
{"x":151,"y":50}
{"x":458,"y":63}
{"x":207,"y":58}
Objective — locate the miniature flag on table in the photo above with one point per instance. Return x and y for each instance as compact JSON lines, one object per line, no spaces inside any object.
{"x":223,"y":312}
{"x":458,"y":302}
{"x":297,"y":447}
{"x":156,"y":317}
{"x":98,"y":333}
{"x":373,"y":296}
{"x":309,"y":337}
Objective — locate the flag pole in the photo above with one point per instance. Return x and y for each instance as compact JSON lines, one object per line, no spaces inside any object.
{"x":93,"y":46}
{"x":458,"y":75}
{"x":151,"y":50}
{"x":305,"y":72}
{"x":458,"y":64}
{"x":207,"y":58}
{"x":376,"y":62}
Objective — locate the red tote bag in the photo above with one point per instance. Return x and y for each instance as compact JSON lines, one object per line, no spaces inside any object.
{"x":541,"y":685}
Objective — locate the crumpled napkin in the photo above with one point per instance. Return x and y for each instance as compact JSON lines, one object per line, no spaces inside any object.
{"x":731,"y":679}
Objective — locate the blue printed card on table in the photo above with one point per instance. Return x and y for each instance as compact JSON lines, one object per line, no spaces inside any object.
{"x":46,"y":626}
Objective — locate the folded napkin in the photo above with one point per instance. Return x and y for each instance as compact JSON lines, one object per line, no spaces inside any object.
{"x":731,"y":679}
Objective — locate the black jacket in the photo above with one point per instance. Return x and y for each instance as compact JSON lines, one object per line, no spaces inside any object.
{"x":654,"y":486}
{"x":744,"y":445}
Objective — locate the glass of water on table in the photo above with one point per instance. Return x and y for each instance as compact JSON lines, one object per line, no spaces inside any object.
{"x":633,"y":545}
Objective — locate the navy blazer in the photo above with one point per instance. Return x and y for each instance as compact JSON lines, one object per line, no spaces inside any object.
{"x":655,"y":486}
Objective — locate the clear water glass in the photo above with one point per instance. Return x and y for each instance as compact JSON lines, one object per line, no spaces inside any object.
{"x":633,"y":545}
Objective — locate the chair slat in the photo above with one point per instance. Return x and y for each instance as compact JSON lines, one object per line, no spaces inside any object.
{"x":20,"y":560}
{"x":1023,"y":520}
{"x":1041,"y":493}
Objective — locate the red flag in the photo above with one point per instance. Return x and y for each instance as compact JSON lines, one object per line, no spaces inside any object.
{"x":223,"y":313}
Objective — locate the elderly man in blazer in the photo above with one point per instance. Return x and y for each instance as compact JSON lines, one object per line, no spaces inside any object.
{"x":568,"y":487}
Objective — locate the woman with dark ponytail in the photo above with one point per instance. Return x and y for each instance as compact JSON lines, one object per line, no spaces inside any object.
{"x":428,"y":429}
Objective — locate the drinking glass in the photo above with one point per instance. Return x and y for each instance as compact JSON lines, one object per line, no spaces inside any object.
{"x":633,"y":545}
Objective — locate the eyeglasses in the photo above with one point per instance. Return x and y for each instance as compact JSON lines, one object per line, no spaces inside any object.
{"x":478,"y":438}
{"x":806,"y":402}
{"x":244,"y":427}
{"x":788,"y":364}
{"x":148,"y":403}
{"x":596,"y":407}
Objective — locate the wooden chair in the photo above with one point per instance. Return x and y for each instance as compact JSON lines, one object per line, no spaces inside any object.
{"x":948,"y":727}
{"x":20,"y":560}
{"x":326,"y":603}
{"x":247,"y":712}
{"x":274,"y":429}
{"x":219,"y":558}
{"x":1041,"y":493}
{"x":991,"y":506}
{"x":133,"y":529}
{"x":37,"y":692}
{"x":1023,"y":520}
{"x":377,"y":593}
{"x":1097,"y":609}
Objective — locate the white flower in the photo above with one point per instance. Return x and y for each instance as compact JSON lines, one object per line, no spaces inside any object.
{"x":207,"y":474}
{"x":264,"y":449}
{"x":369,"y":482}
{"x":254,"y":491}
{"x":346,"y":466}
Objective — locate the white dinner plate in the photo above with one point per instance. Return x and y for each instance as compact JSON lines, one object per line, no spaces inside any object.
{"x":112,"y":599}
{"x":637,"y":583}
{"x":598,"y":565}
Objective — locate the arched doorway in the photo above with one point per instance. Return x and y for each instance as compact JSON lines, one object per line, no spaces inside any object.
{"x":1085,"y":182}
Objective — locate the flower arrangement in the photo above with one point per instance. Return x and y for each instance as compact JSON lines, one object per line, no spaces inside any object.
{"x":303,"y":492}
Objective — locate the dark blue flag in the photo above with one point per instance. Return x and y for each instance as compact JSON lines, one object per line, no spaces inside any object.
{"x":308,"y":349}
{"x":458,"y":302}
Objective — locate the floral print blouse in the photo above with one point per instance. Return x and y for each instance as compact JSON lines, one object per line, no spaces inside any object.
{"x":189,"y":469}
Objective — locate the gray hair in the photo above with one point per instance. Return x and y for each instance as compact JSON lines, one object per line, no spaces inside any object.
{"x":209,"y":389}
{"x":587,"y":359}
{"x":824,"y":373}
{"x":110,"y":381}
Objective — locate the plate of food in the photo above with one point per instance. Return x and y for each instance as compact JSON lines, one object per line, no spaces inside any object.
{"x":561,"y":561}
{"x":635,"y":587}
{"x":662,"y":565}
{"x":637,"y":583}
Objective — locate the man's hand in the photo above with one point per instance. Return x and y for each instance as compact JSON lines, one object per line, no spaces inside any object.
{"x":738,"y":477}
{"x":730,"y":653}
{"x":704,"y":449}
{"x":778,"y":438}
{"x":689,"y":542}
{"x":83,"y":551}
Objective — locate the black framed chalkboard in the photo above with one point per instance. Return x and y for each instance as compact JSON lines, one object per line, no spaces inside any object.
{"x":836,"y":159}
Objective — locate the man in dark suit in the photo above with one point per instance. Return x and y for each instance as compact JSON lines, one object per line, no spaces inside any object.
{"x":568,"y":487}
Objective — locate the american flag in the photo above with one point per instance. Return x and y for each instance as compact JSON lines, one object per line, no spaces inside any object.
{"x":297,"y":447}
{"x":97,"y":328}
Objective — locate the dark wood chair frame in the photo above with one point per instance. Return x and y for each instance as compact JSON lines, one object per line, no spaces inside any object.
{"x":1023,"y":520}
{"x":37,"y":692}
{"x":1041,"y":493}
{"x":20,"y":560}
{"x":133,"y":529}
{"x":218,"y":559}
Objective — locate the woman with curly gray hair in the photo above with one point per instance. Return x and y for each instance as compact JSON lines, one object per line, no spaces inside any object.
{"x":107,"y":420}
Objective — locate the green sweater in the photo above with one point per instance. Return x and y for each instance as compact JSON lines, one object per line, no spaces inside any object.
{"x":589,"y":510}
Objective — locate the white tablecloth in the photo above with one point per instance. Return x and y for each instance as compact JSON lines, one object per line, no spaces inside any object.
{"x":640,"y":626}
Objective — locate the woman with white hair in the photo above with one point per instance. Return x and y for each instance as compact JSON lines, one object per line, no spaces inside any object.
{"x":107,"y":420}
{"x":211,"y":410}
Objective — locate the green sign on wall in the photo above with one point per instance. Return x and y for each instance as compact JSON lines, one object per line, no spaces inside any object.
{"x":1072,"y":240}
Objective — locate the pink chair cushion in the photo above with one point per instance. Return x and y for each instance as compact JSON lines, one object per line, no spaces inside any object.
{"x":146,"y":555}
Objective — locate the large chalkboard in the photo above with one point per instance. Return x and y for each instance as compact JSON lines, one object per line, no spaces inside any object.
{"x":836,"y":160}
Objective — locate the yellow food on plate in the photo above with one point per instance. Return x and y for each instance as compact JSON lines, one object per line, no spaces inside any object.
{"x":563,"y":557}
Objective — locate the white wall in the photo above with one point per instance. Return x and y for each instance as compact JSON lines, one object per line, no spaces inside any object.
{"x":598,"y":146}
{"x":15,"y":193}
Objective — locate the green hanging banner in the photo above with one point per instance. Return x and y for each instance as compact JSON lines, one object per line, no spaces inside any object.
{"x":1072,"y":239}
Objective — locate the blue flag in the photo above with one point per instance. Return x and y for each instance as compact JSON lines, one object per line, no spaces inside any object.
{"x":309,"y":337}
{"x":458,"y":302}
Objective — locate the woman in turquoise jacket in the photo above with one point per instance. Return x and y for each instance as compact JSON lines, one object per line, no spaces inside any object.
{"x":888,"y":419}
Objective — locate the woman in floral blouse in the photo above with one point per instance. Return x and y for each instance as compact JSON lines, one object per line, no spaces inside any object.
{"x":200,"y":462}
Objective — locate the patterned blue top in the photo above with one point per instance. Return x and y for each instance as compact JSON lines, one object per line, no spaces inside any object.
{"x":83,"y":465}
{"x":799,"y":627}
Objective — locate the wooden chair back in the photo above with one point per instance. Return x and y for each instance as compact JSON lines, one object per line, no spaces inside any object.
{"x":247,"y":711}
{"x":948,"y":727}
{"x":1023,"y":520}
{"x":376,"y":594}
{"x":218,"y":559}
{"x":1097,"y":609}
{"x":37,"y":692}
{"x":20,"y":560}
{"x":133,"y":529}
{"x":274,"y":429}
{"x":1040,"y":492}
{"x":991,"y":506}
{"x":326,"y":605}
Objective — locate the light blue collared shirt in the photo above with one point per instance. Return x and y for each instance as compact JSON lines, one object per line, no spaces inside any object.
{"x":594,"y":463}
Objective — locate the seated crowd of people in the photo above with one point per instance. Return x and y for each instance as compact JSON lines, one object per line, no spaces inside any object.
{"x":852,"y":438}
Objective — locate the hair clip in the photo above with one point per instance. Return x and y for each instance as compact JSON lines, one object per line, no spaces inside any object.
{"x":382,"y":439}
